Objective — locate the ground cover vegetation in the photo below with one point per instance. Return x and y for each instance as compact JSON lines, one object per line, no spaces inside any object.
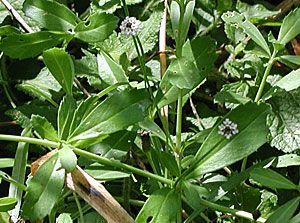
{"x":149,"y":111}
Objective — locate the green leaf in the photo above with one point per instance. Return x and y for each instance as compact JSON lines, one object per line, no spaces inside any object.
{"x":7,"y":203}
{"x":67,"y":158}
{"x":188,"y":14}
{"x":22,"y":46}
{"x":110,"y":71}
{"x":114,"y":114}
{"x":231,"y":97}
{"x":97,"y":28}
{"x":284,"y":122}
{"x":295,"y":59}
{"x":43,"y":87}
{"x":272,"y":179}
{"x":65,"y":116}
{"x":105,"y":174}
{"x":183,"y":74}
{"x":217,"y":151}
{"x":19,"y":173}
{"x":61,"y":67}
{"x":6,"y":162}
{"x":168,"y":161}
{"x":50,"y":14}
{"x":286,"y":161}
{"x":239,"y":20}
{"x":285,"y":212}
{"x":290,"y":27}
{"x":44,"y":128}
{"x":162,"y":206}
{"x":8,"y":30}
{"x":256,"y":12}
{"x":64,"y":218}
{"x":290,"y":81}
{"x":44,"y":189}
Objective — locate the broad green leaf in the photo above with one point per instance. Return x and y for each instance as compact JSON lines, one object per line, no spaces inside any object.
{"x":67,"y":158}
{"x":231,"y":97}
{"x":64,"y":218}
{"x":193,"y":193}
{"x":183,"y":74}
{"x":110,"y":71}
{"x":7,"y":203}
{"x":22,"y":46}
{"x":162,"y":206}
{"x":256,"y":12}
{"x":94,"y":217}
{"x":114,"y":114}
{"x":155,"y":130}
{"x":290,"y":27}
{"x":168,"y":161}
{"x":43,"y":87}
{"x":239,"y":20}
{"x":201,"y":51}
{"x":189,"y":9}
{"x":295,"y":59}
{"x":65,"y":116}
{"x":97,"y":28}
{"x":6,"y":162}
{"x":50,"y":14}
{"x":4,"y":216}
{"x":272,"y":179}
{"x":284,"y":122}
{"x":61,"y":67}
{"x":286,"y":161}
{"x":44,"y":189}
{"x":19,"y":173}
{"x":44,"y":128}
{"x":285,"y":212}
{"x":175,"y":17}
{"x":295,"y":219}
{"x":290,"y":81}
{"x":217,"y":151}
{"x":105,"y":174}
{"x":8,"y":30}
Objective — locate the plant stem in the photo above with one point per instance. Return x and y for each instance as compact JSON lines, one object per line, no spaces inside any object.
{"x":118,"y":164}
{"x":179,"y":123}
{"x":100,"y":159}
{"x":81,"y":219}
{"x":125,"y":7}
{"x":238,"y":213}
{"x":266,"y":74}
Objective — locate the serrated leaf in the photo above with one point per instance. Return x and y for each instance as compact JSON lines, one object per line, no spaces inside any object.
{"x":217,"y":151}
{"x":65,"y":116}
{"x":290,"y":27}
{"x":290,"y":81}
{"x":284,"y":122}
{"x":67,"y":158}
{"x":110,"y":71}
{"x":114,"y":114}
{"x":50,"y":14}
{"x":44,"y":189}
{"x":22,"y":46}
{"x":42,"y":87}
{"x":256,"y":12}
{"x":97,"y":28}
{"x":7,"y":203}
{"x":162,"y":206}
{"x":284,"y":212}
{"x":44,"y":128}
{"x":64,"y":218}
{"x":239,"y":20}
{"x":271,"y":179}
{"x":61,"y":67}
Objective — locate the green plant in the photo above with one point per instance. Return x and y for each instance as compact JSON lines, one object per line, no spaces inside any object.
{"x":98,"y":99}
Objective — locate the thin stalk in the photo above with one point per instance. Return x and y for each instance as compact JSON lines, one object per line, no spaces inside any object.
{"x":81,"y":219}
{"x":179,"y":123}
{"x":131,"y":201}
{"x":238,"y":213}
{"x":266,"y":74}
{"x":125,"y":7}
{"x":99,"y":159}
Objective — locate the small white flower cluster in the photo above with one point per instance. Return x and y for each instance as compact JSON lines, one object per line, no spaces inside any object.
{"x":228,"y":129}
{"x":130,"y":26}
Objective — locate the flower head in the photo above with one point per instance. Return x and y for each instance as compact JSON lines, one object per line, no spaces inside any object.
{"x":130,"y":26}
{"x":228,"y":129}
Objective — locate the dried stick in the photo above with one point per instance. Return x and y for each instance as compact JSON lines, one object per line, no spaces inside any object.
{"x":286,"y":5}
{"x":17,"y":16}
{"x":28,"y":29}
{"x":162,"y":54}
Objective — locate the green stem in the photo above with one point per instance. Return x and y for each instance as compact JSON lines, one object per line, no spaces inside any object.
{"x":118,"y":164}
{"x":81,"y":219}
{"x":125,"y":7}
{"x":238,"y":213}
{"x":266,"y":74}
{"x":99,"y":159}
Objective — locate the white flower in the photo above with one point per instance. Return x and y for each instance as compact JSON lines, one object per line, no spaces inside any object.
{"x":130,"y":26}
{"x":228,"y":129}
